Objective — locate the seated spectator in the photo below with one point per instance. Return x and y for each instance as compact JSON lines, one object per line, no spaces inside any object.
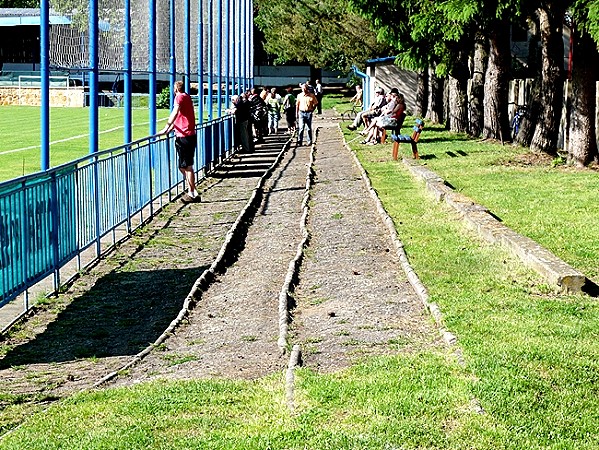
{"x":373,"y":110}
{"x":390,"y":114}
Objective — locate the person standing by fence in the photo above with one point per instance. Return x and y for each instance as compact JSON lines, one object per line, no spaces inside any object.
{"x":182,"y":120}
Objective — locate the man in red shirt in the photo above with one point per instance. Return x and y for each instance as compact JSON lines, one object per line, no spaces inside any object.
{"x":183,"y":121}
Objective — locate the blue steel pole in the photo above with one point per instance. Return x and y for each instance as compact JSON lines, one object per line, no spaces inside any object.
{"x":210,"y":58}
{"x":219,"y":55}
{"x":187,"y":48}
{"x":250,"y":25}
{"x":242,"y":50}
{"x":93,"y":112}
{"x":173,"y":49}
{"x":45,"y":86}
{"x":247,"y":47}
{"x":93,"y":76}
{"x":127,"y":87}
{"x":227,"y":39}
{"x":201,"y":61}
{"x":152,"y":67}
{"x":234,"y":40}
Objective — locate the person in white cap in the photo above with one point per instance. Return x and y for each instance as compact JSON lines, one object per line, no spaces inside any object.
{"x":373,"y":110}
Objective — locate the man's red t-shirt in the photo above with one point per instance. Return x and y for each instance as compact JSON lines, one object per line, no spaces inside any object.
{"x":185,"y":122}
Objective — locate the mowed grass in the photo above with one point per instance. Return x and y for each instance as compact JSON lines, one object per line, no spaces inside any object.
{"x":69,"y":135}
{"x":531,"y":360}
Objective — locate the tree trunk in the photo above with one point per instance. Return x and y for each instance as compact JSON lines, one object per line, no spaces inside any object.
{"x":421,"y":94}
{"x":477,"y":91}
{"x":458,"y":94}
{"x":496,"y":123}
{"x":527,"y":123}
{"x":582,"y":149}
{"x":434,"y":113}
{"x":552,"y":80}
{"x":458,"y":105}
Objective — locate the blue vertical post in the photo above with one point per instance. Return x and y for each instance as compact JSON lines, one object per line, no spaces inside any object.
{"x":250,"y":44}
{"x":219,"y":56}
{"x":242,"y":53}
{"x":234,"y":40}
{"x":200,"y":61}
{"x":246,"y":49}
{"x":93,"y":112}
{"x":45,"y":84}
{"x":227,"y":40}
{"x":127,"y":81}
{"x":187,"y":47}
{"x":210,"y":57}
{"x":173,"y":50}
{"x":152,"y":66}
{"x":93,"y":76}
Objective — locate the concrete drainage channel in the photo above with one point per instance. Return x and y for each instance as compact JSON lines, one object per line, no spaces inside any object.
{"x":235,"y":234}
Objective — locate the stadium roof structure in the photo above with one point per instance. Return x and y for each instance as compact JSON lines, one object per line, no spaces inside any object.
{"x":10,"y":17}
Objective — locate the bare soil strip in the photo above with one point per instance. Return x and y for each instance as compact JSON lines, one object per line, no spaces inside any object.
{"x":352,"y":299}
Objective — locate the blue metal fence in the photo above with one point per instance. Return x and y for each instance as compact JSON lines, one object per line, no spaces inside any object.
{"x":49,"y":218}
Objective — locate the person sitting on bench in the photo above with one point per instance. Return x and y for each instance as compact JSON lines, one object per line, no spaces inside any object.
{"x":373,"y":110}
{"x":387,"y":120}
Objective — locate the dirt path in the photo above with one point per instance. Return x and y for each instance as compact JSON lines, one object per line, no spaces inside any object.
{"x":352,"y":298}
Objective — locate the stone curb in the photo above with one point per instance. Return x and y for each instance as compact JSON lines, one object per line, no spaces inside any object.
{"x":235,"y":234}
{"x":285,"y":298}
{"x":554,"y":270}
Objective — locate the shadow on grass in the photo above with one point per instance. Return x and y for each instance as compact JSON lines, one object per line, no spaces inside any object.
{"x":591,"y":288}
{"x":121,"y":315}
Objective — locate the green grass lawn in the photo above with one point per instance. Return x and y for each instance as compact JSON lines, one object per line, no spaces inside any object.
{"x":531,"y":355}
{"x":69,"y":135}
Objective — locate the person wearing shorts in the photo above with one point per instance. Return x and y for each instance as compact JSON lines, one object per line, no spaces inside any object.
{"x":182,"y":121}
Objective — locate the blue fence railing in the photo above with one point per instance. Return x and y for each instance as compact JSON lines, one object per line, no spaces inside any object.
{"x":49,"y":218}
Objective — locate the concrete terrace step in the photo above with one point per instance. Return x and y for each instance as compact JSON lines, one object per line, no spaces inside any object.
{"x":557,"y":272}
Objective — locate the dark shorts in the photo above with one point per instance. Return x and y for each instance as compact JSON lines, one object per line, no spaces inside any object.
{"x":186,"y":147}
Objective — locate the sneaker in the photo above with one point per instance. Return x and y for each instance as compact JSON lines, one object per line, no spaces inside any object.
{"x":189,"y":199}
{"x":351,"y":127}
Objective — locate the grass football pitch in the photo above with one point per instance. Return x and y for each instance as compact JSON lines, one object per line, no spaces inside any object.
{"x":69,"y":135}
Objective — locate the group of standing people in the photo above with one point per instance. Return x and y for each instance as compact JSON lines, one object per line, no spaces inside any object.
{"x":256,"y":115}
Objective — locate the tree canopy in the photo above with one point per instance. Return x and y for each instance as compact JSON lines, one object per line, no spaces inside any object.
{"x":325,"y":33}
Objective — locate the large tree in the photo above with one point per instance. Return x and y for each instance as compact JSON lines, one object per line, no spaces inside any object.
{"x":325,"y":33}
{"x":19,"y":4}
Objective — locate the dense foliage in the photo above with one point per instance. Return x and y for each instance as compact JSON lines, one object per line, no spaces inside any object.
{"x":324,"y":34}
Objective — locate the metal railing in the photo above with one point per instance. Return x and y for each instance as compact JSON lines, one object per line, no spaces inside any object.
{"x":49,"y":218}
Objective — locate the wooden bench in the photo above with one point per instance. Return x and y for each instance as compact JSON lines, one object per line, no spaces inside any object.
{"x":395,"y":130}
{"x":412,"y":139}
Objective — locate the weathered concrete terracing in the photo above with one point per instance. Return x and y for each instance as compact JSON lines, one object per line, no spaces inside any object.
{"x":553,"y":269}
